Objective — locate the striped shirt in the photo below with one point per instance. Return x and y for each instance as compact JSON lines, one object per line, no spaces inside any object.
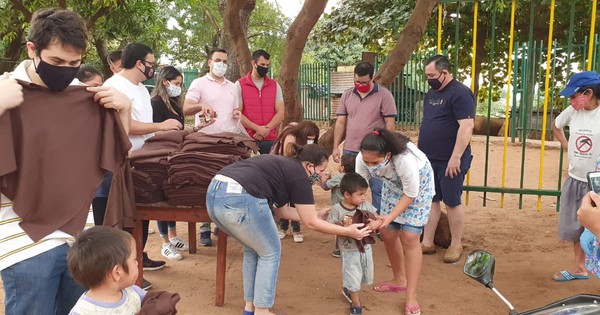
{"x":16,"y":246}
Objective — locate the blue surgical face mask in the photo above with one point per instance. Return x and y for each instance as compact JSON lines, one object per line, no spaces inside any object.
{"x":376,"y":168}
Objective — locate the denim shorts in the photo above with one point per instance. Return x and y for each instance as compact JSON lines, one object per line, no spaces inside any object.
{"x":357,"y":268}
{"x":449,"y":190}
{"x":395,"y":226}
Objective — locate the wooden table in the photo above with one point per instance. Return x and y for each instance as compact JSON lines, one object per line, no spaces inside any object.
{"x":165,"y":212}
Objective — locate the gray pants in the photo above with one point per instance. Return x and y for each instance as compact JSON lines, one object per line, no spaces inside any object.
{"x":569,"y":228}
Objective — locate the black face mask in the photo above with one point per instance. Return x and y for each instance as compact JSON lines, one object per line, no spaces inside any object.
{"x":262,"y":71}
{"x":56,"y":78}
{"x":148,"y":71}
{"x":435,"y":83}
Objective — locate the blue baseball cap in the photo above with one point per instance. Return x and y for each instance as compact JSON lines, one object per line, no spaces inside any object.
{"x":580,"y":80}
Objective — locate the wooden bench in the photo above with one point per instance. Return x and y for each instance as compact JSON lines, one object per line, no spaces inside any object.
{"x":165,"y":212}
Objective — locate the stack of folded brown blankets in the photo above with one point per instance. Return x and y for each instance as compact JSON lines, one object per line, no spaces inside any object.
{"x":177,"y":166}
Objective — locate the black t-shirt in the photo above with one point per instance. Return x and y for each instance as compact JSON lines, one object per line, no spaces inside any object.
{"x":441,"y":112}
{"x":278,"y":179}
{"x":160,"y":112}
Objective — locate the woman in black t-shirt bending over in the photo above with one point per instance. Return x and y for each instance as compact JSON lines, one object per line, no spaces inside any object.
{"x":239,"y":201}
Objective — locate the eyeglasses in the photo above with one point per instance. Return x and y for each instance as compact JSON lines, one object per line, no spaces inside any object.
{"x":148,"y":63}
{"x":362,"y":83}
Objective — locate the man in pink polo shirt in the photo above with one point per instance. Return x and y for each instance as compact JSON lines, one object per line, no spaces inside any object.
{"x":213,"y":96}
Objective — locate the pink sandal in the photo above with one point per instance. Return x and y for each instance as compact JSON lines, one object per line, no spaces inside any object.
{"x":412,"y":309}
{"x":386,"y":286}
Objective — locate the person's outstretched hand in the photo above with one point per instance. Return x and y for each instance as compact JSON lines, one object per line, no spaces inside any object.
{"x":358,"y":231}
{"x":589,"y":212}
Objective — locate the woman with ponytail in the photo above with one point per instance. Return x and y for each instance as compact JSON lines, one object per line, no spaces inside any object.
{"x":408,"y":189}
{"x":240,"y":201}
{"x":301,"y":133}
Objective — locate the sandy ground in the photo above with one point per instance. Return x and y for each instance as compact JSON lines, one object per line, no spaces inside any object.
{"x":524,"y":242}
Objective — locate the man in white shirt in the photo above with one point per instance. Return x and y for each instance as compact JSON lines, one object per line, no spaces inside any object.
{"x":138,"y":65}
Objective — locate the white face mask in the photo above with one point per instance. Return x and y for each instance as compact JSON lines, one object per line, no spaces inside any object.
{"x":173,"y":90}
{"x":310,"y":141}
{"x":219,"y":69}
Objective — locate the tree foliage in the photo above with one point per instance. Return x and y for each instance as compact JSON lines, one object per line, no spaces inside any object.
{"x":199,"y":28}
{"x":111,"y":24}
{"x":375,"y":24}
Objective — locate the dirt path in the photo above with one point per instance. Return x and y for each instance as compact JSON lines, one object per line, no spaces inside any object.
{"x":524,"y":242}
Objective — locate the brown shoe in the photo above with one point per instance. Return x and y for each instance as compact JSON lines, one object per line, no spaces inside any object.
{"x":428,"y":250}
{"x":453,"y":254}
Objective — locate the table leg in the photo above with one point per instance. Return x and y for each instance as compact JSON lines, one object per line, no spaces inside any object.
{"x":137,"y":235}
{"x":192,"y":237}
{"x":221,"y":266}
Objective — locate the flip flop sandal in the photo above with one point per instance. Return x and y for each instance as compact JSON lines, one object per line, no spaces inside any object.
{"x":386,"y":286}
{"x":412,"y":309}
{"x":565,"y":275}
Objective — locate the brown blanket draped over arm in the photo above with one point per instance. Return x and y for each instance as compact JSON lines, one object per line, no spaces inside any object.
{"x":363,"y":216}
{"x":56,"y":148}
{"x":159,"y":303}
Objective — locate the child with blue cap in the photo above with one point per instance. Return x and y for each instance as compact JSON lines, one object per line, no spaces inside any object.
{"x":582,"y":117}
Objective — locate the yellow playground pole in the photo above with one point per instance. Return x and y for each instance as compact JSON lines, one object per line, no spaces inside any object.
{"x":475,"y":11}
{"x":439,"y":31}
{"x":546,"y":97}
{"x":592,"y":30}
{"x":508,"y":96}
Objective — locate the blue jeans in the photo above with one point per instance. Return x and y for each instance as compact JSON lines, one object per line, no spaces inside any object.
{"x":165,"y":226}
{"x":41,"y":285}
{"x":264,"y":146}
{"x":376,"y":185}
{"x":249,"y":220}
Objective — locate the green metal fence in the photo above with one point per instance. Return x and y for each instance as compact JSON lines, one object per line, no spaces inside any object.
{"x":315,"y":91}
{"x":528,"y":106}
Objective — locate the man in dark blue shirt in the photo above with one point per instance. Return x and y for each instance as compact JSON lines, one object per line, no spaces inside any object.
{"x":448,"y":112}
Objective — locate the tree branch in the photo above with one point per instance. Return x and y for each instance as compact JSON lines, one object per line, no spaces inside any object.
{"x":91,"y":22}
{"x":407,"y":42}
{"x":235,"y":31}
{"x":295,"y":42}
{"x":18,"y":5}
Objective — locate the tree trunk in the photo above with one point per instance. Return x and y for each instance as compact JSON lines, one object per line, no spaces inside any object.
{"x":102,"y":52}
{"x":13,"y":52}
{"x":236,"y":17}
{"x":294,"y":46}
{"x":407,"y":42}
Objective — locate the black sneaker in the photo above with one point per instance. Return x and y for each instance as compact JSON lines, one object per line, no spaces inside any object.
{"x":336,"y":253}
{"x":146,"y":284}
{"x":346,"y":294}
{"x":150,"y":264}
{"x":205,"y":239}
{"x":355,"y":310}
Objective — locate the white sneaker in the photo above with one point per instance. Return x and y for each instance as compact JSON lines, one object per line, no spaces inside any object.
{"x":298,"y":238}
{"x":179,"y":243}
{"x":281,"y":234}
{"x":169,"y":251}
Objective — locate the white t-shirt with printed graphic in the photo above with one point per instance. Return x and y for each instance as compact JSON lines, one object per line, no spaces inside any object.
{"x":584,"y":140}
